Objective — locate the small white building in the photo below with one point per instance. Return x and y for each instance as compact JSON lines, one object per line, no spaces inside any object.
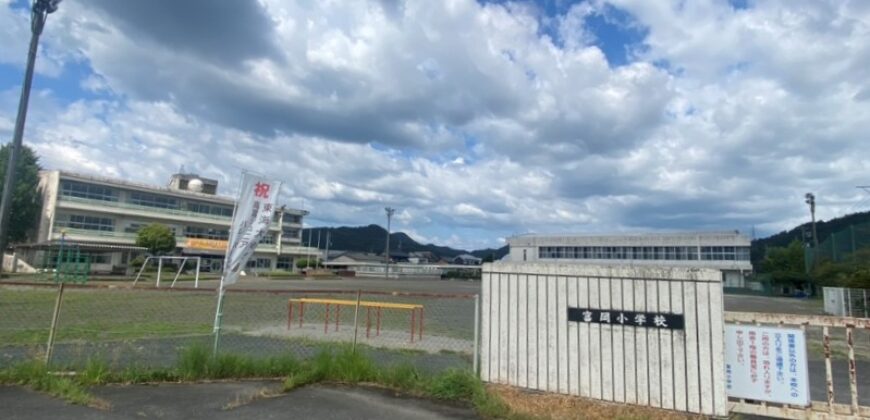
{"x":727,"y":251}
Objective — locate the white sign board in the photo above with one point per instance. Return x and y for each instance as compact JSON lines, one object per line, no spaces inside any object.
{"x":766,"y":364}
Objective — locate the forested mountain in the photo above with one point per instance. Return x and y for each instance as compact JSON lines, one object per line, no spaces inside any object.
{"x":372,"y":238}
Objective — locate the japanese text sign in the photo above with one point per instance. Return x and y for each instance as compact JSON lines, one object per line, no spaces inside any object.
{"x":627,"y":318}
{"x":766,"y":364}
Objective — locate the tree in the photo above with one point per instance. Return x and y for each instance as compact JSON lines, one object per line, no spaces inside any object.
{"x":26,"y":199}
{"x":786,"y":264}
{"x":157,"y":238}
{"x":852,"y":271}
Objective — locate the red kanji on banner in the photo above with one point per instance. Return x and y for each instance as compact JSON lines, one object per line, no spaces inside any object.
{"x":261,"y":190}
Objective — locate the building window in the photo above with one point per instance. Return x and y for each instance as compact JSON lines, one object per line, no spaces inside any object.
{"x":76,"y":221}
{"x":268,"y":239}
{"x":260,"y":263}
{"x":290,"y":233}
{"x":206,"y":233}
{"x":292,"y":218}
{"x":153,"y":200}
{"x":212,"y":209}
{"x":284,"y":263}
{"x":88,"y":191}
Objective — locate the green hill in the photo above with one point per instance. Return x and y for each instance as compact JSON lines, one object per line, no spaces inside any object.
{"x":372,"y":238}
{"x":825,"y":229}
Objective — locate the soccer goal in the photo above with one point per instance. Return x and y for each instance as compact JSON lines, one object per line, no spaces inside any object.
{"x":178,"y":273}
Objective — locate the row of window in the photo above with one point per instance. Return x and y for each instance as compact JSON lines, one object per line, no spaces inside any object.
{"x":88,"y":191}
{"x":74,"y":221}
{"x":213,"y":209}
{"x":107,"y":224}
{"x":153,"y":200}
{"x":677,"y":253}
{"x":98,"y":192}
{"x":206,"y":233}
{"x":261,"y":263}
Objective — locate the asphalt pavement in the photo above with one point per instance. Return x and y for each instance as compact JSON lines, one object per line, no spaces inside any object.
{"x":230,"y":400}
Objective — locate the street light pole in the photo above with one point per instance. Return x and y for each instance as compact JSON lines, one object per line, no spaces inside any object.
{"x":811,"y":200}
{"x":390,"y":211}
{"x":39,"y":12}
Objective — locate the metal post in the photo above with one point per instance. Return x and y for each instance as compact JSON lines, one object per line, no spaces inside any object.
{"x":390,"y":212}
{"x":474,"y":355}
{"x":218,"y":319}
{"x":355,"y":320}
{"x":865,"y":304}
{"x":141,"y":269}
{"x":40,"y":11}
{"x":848,"y":302}
{"x":196,"y":278}
{"x":159,"y":269}
{"x":54,"y":318}
{"x":183,"y":262}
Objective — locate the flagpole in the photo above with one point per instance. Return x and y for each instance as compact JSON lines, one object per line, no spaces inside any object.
{"x":219,"y":309}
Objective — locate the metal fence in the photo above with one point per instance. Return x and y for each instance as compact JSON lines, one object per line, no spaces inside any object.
{"x":843,"y":301}
{"x":149,"y":327}
{"x":838,"y":348}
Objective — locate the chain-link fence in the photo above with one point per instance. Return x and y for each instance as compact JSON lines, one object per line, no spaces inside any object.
{"x":840,"y":245}
{"x":149,"y":327}
{"x":843,"y":301}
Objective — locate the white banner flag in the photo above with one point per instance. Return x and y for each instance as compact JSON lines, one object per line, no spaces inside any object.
{"x":254,"y":211}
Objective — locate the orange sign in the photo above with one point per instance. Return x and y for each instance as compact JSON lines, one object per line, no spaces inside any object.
{"x":210,"y":244}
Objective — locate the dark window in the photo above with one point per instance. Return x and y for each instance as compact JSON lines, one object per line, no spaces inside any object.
{"x":153,"y":200}
{"x":88,"y":223}
{"x":88,"y":191}
{"x":205,"y":233}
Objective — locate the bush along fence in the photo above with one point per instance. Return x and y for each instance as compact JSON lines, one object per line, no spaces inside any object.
{"x":70,"y":326}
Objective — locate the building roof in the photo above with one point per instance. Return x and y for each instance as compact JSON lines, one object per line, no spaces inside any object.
{"x":359,"y":257}
{"x":467,"y":257}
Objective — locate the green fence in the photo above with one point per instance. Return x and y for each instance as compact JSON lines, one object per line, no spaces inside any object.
{"x":839,"y":245}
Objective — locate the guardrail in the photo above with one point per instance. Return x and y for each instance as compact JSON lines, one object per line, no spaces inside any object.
{"x":817,"y":409}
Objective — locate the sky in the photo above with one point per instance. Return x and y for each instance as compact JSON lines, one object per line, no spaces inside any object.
{"x":475,"y":120}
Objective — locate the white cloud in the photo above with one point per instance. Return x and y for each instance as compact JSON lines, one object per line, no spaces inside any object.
{"x":471,"y":120}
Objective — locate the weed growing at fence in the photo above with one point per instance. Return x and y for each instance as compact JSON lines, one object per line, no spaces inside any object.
{"x":36,"y":376}
{"x":196,"y":363}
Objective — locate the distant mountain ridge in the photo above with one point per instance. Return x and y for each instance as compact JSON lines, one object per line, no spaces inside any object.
{"x":372,"y":238}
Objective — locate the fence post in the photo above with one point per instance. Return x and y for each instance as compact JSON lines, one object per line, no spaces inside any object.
{"x":159,"y":269}
{"x":53,"y":328}
{"x":218,"y":319}
{"x":475,"y":352}
{"x":865,"y":304}
{"x":355,"y":319}
{"x":848,"y":302}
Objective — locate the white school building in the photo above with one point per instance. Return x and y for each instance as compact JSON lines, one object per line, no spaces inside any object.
{"x":101,"y":217}
{"x":727,"y":251}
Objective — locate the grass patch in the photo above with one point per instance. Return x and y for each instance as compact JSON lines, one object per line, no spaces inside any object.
{"x":331,"y":364}
{"x":35,"y":375}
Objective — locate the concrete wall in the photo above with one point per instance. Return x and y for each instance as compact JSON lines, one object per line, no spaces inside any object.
{"x":528,"y":341}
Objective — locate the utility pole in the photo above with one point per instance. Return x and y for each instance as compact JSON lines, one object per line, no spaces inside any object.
{"x":326,"y":257}
{"x":811,"y":201}
{"x":38,"y":14}
{"x":390,"y":211}
{"x":318,"y":247}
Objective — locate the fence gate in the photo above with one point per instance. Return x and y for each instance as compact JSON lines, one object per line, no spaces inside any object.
{"x":837,"y":339}
{"x":638,"y":335}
